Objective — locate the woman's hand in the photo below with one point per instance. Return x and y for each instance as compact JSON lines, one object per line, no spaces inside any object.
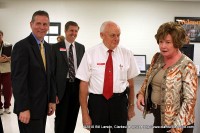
{"x":3,"y":59}
{"x":140,"y":102}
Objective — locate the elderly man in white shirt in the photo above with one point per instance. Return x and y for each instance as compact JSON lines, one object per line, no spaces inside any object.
{"x":106,"y":73}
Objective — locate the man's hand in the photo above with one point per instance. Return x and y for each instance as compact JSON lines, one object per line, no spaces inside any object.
{"x":25,"y":116}
{"x":87,"y":122}
{"x":51,"y":109}
{"x":131,"y":112}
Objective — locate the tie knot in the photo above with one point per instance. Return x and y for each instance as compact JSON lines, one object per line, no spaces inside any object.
{"x":71,"y":45}
{"x":110,"y":51}
{"x":41,"y":44}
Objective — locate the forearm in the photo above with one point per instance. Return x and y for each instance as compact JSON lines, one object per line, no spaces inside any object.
{"x":131,"y":112}
{"x":83,"y":97}
{"x":131,"y":92}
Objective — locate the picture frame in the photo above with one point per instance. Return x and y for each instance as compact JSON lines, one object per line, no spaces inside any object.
{"x":141,"y":62}
{"x":51,"y":39}
{"x":53,"y":33}
{"x":54,"y":29}
{"x":191,"y":26}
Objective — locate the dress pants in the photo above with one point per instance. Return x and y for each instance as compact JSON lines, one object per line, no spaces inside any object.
{"x":34,"y":126}
{"x":5,"y":81}
{"x":1,"y":126}
{"x":157,"y":122}
{"x":68,"y":108}
{"x":108,"y":114}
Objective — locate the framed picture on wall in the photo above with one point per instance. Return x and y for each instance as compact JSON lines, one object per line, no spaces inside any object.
{"x":54,"y":31}
{"x":192,"y":27}
{"x":141,"y":62}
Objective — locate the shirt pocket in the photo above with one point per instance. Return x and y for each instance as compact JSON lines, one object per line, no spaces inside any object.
{"x":98,"y":70}
{"x":122,"y":72}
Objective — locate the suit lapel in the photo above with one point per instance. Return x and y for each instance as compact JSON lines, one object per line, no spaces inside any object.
{"x":77,"y":53}
{"x":36,"y":51}
{"x":47,"y":56}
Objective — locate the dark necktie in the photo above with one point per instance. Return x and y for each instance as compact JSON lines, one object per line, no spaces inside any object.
{"x":108,"y":77}
{"x":71,"y":65}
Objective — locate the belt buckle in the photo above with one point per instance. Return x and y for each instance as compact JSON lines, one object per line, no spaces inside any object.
{"x":71,"y":80}
{"x":155,"y":106}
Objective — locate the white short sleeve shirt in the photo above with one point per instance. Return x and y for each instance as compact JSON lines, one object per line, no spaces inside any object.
{"x":92,"y":68}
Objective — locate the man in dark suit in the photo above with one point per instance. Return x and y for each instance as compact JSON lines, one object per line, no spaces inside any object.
{"x":67,"y":85}
{"x":32,"y":77}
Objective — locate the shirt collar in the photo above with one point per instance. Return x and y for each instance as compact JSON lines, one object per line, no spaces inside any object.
{"x":38,"y":41}
{"x":68,"y":43}
{"x":106,"y":49}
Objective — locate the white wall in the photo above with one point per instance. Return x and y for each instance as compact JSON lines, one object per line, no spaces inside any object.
{"x":139,"y":20}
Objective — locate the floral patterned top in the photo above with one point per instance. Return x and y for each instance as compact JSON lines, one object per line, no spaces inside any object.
{"x":178,"y":91}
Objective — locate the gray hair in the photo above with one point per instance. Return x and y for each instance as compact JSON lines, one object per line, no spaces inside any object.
{"x":102,"y":28}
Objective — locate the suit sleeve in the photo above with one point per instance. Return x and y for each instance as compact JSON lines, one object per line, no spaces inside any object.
{"x":54,"y":67}
{"x":19,"y":73}
{"x":53,"y":90}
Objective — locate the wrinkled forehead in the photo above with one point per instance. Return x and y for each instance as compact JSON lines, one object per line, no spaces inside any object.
{"x":112,"y":29}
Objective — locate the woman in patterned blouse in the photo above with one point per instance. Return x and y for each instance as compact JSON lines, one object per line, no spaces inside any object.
{"x":169,"y":89}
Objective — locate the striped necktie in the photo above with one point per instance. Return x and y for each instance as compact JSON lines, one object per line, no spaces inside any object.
{"x":71,"y":65}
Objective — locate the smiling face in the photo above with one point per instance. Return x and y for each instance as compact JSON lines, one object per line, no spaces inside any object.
{"x":166,"y":46}
{"x":71,"y":33}
{"x":40,"y":26}
{"x":111,"y":35}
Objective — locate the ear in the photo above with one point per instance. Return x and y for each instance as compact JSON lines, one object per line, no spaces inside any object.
{"x":31,"y":24}
{"x":102,"y":36}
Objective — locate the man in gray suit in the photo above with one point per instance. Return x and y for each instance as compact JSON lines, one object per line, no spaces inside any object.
{"x":67,"y":56}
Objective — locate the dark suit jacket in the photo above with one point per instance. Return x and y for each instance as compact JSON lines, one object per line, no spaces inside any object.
{"x":33,"y":87}
{"x":61,"y":64}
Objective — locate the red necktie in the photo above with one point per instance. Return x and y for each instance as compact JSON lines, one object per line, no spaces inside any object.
{"x":108,"y":77}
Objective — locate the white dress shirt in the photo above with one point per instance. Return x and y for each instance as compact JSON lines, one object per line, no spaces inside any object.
{"x":92,"y":68}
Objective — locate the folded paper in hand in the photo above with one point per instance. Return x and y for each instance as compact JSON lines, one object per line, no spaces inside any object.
{"x":6,"y":50}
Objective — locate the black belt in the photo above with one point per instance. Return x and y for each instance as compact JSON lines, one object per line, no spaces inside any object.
{"x":67,"y":79}
{"x":114,"y":94}
{"x":119,"y":94}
